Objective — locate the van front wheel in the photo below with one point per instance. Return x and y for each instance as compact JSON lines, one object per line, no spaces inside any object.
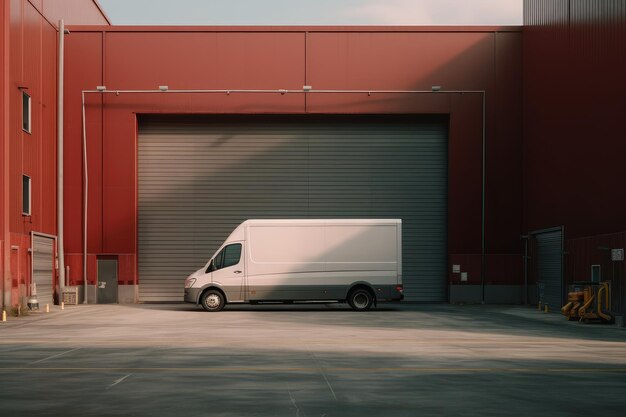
{"x":212,"y":300}
{"x":360,"y":299}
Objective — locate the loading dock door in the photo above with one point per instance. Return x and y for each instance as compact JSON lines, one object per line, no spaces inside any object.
{"x":550,"y":266}
{"x":43,"y":268}
{"x":199,"y":177}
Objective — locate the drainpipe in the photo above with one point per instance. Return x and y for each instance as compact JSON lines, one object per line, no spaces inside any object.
{"x":305,"y":90}
{"x":85,"y":190}
{"x":483,"y":257}
{"x":60,"y":74}
{"x":525,"y":237}
{"x":5,"y":274}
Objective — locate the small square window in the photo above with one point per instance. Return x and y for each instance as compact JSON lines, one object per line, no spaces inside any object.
{"x":26,"y":112}
{"x":26,"y":194}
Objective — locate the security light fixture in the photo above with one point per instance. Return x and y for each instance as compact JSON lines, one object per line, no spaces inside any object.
{"x":306,"y":88}
{"x":163,"y":87}
{"x":101,"y":87}
{"x":436,"y":88}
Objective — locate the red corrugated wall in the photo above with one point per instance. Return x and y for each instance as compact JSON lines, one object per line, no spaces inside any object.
{"x":574,"y":106}
{"x":30,"y":62}
{"x":32,"y":66}
{"x":574,"y":127}
{"x":273,"y":58}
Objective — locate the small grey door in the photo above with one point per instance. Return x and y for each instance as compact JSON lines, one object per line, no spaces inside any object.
{"x":107,"y":281}
{"x":550,"y":267}
{"x":43,"y":268}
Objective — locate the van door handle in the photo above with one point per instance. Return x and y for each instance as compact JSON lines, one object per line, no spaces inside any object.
{"x":237,"y":272}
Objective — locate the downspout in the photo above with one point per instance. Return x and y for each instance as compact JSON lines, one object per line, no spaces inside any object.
{"x":525,"y":237}
{"x":5,"y":296}
{"x":306,"y":90}
{"x":85,"y":190}
{"x":60,"y":95}
{"x":483,"y":257}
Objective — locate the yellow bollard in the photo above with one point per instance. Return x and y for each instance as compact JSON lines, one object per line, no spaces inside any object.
{"x":546,"y":309}
{"x":47,"y":308}
{"x":4,"y":315}
{"x":539,"y":307}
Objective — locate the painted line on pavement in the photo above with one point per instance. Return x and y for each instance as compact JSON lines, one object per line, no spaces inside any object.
{"x":117,"y":381}
{"x":315,"y":370}
{"x":54,"y":356}
{"x":225,"y":341}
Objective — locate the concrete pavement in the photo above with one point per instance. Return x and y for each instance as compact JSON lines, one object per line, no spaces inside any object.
{"x":310,"y":360}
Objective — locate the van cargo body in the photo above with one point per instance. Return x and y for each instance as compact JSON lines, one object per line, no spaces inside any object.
{"x":358,"y":261}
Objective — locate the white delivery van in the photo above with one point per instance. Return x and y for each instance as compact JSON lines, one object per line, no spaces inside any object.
{"x":358,"y":261}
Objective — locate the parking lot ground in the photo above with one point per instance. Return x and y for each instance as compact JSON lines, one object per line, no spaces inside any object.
{"x":309,"y":360}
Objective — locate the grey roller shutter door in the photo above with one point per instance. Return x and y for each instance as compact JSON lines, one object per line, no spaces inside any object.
{"x":550,"y":267}
{"x":43,"y":268}
{"x":201,"y":177}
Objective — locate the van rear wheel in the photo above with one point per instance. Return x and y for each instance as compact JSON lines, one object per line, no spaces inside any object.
{"x":212,"y":300}
{"x":360,"y":299}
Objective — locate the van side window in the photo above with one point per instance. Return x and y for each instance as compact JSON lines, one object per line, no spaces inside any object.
{"x":218,"y":260}
{"x":232,"y":254}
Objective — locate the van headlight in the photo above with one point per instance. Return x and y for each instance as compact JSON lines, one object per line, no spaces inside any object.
{"x":189,"y":282}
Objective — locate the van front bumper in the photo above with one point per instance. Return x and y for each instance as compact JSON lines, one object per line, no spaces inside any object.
{"x":192,"y":295}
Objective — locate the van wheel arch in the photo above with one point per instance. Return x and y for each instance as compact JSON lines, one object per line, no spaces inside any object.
{"x":358,"y":288}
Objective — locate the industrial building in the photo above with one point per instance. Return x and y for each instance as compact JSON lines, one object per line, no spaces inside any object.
{"x":500,"y":148}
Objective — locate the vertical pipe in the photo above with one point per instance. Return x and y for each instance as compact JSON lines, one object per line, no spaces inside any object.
{"x":482,"y":214}
{"x":85,"y":190}
{"x":5,"y":295}
{"x":60,"y":87}
{"x":525,"y":270}
{"x":32,"y":266}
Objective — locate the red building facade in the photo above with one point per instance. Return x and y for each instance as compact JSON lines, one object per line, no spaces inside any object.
{"x":28,"y":46}
{"x":545,"y":117}
{"x":333,"y":58}
{"x":574,"y":131}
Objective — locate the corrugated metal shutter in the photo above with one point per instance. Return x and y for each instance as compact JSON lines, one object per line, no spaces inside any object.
{"x":550,"y":267}
{"x":43,"y":268}
{"x":199,"y":178}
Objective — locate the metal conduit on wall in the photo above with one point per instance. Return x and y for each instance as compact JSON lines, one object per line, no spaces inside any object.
{"x":305,"y":90}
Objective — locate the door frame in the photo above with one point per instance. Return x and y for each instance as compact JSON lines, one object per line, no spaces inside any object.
{"x":117,"y":275}
{"x":535,"y":262}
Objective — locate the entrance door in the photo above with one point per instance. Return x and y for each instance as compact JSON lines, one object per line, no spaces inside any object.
{"x":549,"y":264}
{"x":107,"y":281}
{"x":43,"y":268}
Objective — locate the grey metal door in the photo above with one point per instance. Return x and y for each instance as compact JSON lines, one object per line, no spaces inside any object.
{"x":43,"y":268}
{"x":107,"y":281}
{"x":550,"y":266}
{"x":199,"y":177}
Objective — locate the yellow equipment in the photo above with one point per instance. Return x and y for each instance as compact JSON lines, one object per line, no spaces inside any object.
{"x":588,"y":301}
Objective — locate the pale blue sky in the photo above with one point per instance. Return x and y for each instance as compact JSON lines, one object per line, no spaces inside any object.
{"x":314,"y":12}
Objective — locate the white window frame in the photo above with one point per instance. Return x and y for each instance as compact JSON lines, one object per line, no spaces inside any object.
{"x":30,"y":113}
{"x":30,"y":195}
